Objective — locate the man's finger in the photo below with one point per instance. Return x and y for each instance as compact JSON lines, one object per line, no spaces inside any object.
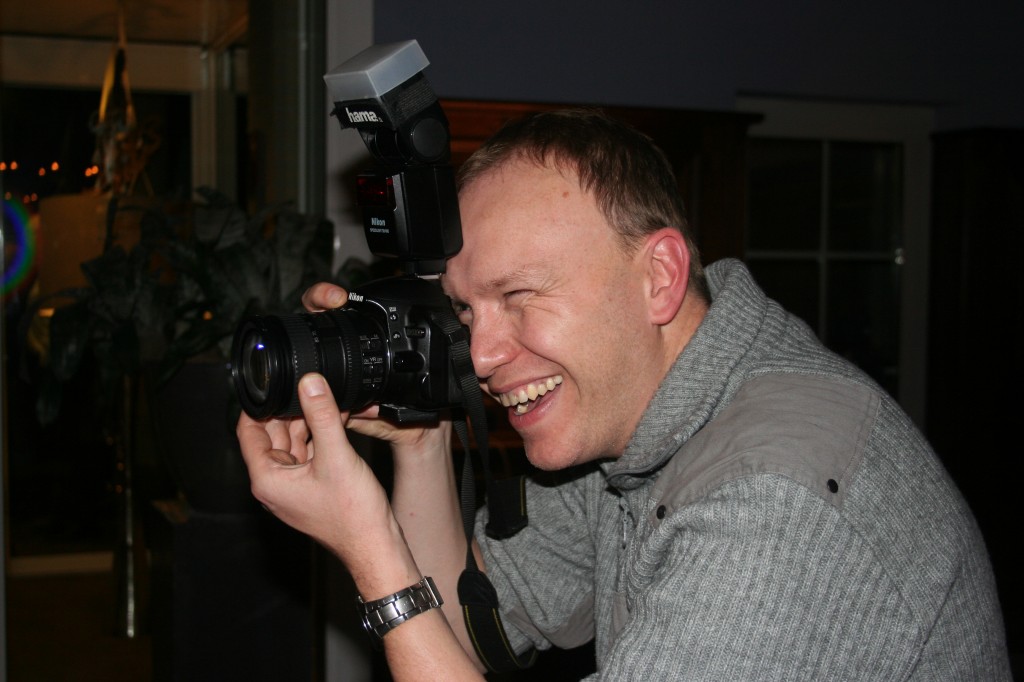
{"x":324,"y":296}
{"x":284,"y":458}
{"x":255,"y":442}
{"x":280,"y":433}
{"x":298,"y":437}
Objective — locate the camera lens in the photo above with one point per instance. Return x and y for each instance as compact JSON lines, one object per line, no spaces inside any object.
{"x":256,"y":360}
{"x":271,"y":354}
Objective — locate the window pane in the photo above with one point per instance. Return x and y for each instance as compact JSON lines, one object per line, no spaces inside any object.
{"x":863,"y":317}
{"x":62,"y":474}
{"x":793,"y":283}
{"x":865,"y":189}
{"x":785,"y":194}
{"x":42,"y":126}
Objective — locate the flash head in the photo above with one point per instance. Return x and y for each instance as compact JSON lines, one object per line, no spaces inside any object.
{"x":383,"y":93}
{"x":409,"y":203}
{"x":375,"y":71}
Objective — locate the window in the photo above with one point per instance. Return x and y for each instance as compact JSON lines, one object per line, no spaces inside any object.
{"x":837,"y":230}
{"x":61,"y":475}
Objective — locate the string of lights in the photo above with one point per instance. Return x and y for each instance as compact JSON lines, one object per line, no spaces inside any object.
{"x":13,"y":168}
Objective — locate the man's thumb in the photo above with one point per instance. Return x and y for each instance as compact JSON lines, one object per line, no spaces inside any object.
{"x":318,"y":406}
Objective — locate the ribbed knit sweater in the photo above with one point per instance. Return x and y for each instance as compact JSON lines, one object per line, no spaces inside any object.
{"x":776,"y":516}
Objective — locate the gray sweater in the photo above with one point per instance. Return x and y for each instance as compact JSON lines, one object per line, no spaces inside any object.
{"x":776,"y":516}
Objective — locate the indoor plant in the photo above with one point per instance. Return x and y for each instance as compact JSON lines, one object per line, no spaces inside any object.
{"x":157,"y":318}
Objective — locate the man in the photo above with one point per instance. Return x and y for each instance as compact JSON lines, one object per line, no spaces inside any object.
{"x":739,"y":502}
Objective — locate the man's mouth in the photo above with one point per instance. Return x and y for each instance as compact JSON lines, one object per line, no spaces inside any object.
{"x":524,"y":398}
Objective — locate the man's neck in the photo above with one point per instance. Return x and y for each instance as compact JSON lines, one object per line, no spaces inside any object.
{"x":678,"y":333}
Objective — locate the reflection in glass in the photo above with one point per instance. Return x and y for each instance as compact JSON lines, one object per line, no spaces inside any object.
{"x":825,"y":221}
{"x":794,"y":283}
{"x":864,"y":206}
{"x":62,"y":476}
{"x":785,"y":193}
{"x":864,"y":323}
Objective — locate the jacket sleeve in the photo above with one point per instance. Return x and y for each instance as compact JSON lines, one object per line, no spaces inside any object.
{"x":544,"y":575}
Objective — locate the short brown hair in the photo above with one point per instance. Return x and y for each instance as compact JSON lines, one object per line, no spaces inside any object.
{"x":630,"y":177}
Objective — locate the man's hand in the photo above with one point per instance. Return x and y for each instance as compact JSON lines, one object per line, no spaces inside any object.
{"x":306,"y":473}
{"x":404,"y":439}
{"x":309,"y":476}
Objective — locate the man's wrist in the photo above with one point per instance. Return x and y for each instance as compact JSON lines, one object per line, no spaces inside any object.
{"x":380,"y":616}
{"x":435,"y":443}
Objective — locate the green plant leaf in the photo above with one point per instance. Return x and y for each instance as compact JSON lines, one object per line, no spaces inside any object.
{"x":218,"y":220}
{"x":49,"y":393}
{"x":70,"y":330}
{"x":303,"y":248}
{"x":182,"y":289}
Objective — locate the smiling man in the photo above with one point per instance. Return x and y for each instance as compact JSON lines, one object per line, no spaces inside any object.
{"x":739,"y":503}
{"x":570,"y":330}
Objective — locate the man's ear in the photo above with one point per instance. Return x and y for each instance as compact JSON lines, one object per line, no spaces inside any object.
{"x":667,"y":260}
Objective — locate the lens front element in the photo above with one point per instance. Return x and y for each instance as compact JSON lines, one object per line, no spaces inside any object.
{"x":256,"y":360}
{"x":271,"y":354}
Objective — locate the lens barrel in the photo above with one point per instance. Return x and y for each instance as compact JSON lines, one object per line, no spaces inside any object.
{"x":271,"y":353}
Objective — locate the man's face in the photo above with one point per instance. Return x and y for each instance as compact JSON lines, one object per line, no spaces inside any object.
{"x":560,"y":333}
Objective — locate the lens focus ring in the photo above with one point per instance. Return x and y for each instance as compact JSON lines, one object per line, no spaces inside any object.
{"x":305,"y":357}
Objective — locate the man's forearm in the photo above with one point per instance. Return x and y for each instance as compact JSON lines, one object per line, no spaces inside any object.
{"x":425,"y":501}
{"x":421,"y":648}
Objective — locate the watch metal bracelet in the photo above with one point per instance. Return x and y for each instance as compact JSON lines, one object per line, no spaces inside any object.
{"x":380,"y":616}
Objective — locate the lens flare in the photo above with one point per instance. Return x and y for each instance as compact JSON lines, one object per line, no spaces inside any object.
{"x":19,"y":264}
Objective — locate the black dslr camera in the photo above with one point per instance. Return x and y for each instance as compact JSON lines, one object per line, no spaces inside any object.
{"x":390,"y":343}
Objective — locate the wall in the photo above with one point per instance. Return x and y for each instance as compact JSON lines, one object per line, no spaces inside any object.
{"x":964,"y":58}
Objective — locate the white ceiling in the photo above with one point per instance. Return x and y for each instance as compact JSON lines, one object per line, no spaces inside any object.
{"x":195,"y":22}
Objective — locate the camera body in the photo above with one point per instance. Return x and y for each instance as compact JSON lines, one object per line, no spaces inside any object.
{"x":384,"y":346}
{"x":390,"y":343}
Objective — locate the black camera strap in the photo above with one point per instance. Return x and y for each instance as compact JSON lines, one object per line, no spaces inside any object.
{"x":506,"y":503}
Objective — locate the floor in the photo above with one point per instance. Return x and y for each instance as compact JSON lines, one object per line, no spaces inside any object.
{"x":62,"y":628}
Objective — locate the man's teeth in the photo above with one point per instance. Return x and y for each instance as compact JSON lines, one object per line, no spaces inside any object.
{"x":522,"y":397}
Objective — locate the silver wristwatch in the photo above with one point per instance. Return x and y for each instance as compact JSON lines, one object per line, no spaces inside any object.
{"x":380,"y":616}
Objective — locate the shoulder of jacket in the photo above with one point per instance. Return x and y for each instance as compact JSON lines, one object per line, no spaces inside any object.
{"x":809,"y":428}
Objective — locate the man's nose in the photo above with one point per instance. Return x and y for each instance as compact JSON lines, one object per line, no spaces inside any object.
{"x":491,"y":345}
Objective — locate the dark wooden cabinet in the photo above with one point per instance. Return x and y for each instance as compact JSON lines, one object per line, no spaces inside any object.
{"x":976,"y":316}
{"x":976,"y":338}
